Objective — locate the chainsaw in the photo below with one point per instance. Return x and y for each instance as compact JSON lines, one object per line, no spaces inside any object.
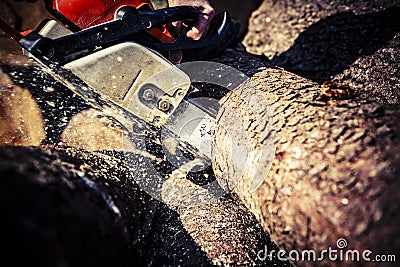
{"x":119,"y":56}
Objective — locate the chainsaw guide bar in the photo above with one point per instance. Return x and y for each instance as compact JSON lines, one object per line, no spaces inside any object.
{"x":120,"y":68}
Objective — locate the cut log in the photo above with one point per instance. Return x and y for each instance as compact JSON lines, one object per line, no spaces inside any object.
{"x":64,"y":206}
{"x":21,"y":120}
{"x":92,"y":131}
{"x":335,"y":171}
{"x":76,"y":207}
{"x":353,"y":42}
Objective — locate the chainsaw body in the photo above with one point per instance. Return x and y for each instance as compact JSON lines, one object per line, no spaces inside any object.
{"x":120,"y":58}
{"x":78,"y":14}
{"x":130,"y":75}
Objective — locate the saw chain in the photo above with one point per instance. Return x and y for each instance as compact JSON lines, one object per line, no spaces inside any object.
{"x":120,"y":58}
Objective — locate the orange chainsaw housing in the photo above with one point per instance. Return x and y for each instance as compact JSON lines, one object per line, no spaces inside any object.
{"x":82,"y":14}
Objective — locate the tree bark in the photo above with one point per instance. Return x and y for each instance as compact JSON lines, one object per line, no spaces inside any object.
{"x":66,"y":206}
{"x":21,"y":120}
{"x":352,"y":42}
{"x":84,"y":207}
{"x":335,"y":170}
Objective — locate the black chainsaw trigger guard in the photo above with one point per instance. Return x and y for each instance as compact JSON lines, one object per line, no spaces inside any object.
{"x":221,"y":33}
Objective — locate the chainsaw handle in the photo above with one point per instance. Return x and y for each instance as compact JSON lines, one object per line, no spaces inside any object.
{"x":221,"y":33}
{"x":129,"y":22}
{"x":158,"y":17}
{"x":171,"y":14}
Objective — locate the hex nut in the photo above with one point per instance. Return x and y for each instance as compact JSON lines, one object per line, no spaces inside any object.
{"x":164,"y":105}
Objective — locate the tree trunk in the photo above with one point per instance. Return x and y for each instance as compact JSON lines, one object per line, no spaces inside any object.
{"x":63,"y":206}
{"x":84,"y":207}
{"x":335,"y":170}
